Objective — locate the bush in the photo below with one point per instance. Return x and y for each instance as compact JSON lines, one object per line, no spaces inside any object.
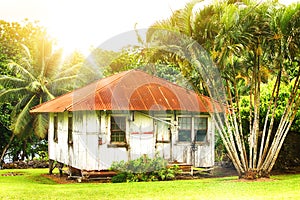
{"x":119,"y":178}
{"x":144,"y":169}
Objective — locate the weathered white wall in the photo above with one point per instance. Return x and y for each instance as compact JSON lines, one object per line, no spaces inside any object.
{"x":59,"y":150}
{"x":141,"y":136}
{"x":91,"y":149}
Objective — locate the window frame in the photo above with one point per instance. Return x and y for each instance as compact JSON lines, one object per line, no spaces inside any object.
{"x":119,"y":129}
{"x":193,"y":129}
{"x":196,"y":130}
{"x":190,"y":129}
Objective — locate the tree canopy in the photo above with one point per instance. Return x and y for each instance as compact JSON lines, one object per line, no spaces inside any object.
{"x":232,"y":48}
{"x":243,"y":54}
{"x":32,"y":73}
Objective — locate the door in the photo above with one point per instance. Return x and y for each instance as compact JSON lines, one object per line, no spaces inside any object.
{"x":163,"y":138}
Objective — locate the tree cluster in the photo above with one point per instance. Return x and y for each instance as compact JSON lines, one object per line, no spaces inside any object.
{"x":229,"y":50}
{"x":243,"y":54}
{"x":32,"y":72}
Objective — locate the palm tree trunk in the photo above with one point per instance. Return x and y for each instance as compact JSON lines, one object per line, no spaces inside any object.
{"x":235,"y":126}
{"x":6,"y":148}
{"x":281,"y":142}
{"x":241,"y":136}
{"x":284,"y":126}
{"x":266,"y":141}
{"x":221,"y":123}
{"x":257,"y":106}
{"x":252,"y":117}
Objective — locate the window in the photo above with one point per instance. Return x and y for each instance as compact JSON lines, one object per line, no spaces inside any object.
{"x":192,"y":129}
{"x":184,"y":132}
{"x":70,"y":129}
{"x":55,"y":124}
{"x":200,"y":128}
{"x":118,"y":129}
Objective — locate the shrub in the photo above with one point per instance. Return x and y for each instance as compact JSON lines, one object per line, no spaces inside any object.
{"x":144,"y":169}
{"x":119,"y":178}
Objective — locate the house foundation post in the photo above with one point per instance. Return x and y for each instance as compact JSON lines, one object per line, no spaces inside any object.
{"x":51,"y":166}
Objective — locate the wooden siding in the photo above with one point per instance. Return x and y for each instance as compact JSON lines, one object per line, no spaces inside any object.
{"x":92,"y":149}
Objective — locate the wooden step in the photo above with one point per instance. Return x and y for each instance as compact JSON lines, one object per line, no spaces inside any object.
{"x":185,"y":168}
{"x":190,"y":169}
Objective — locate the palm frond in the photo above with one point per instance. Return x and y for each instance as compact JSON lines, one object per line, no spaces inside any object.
{"x":70,"y":70}
{"x":21,"y":70}
{"x":63,"y":80}
{"x":52,"y":64}
{"x":185,"y":18}
{"x":8,"y":81}
{"x":287,"y":17}
{"x":49,"y":94}
{"x":7,"y":95}
{"x":160,"y":28}
{"x":21,"y":103}
{"x":43,"y":53}
{"x":26,"y":63}
{"x":205,"y":28}
{"x":230,"y":16}
{"x":40,"y":125}
{"x":23,"y":119}
{"x":27,"y":51}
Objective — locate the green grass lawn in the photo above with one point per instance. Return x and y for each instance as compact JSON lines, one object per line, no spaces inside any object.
{"x":31,"y":185}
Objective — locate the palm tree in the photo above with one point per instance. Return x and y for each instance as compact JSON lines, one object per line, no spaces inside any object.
{"x":38,"y":77}
{"x":285,"y":48}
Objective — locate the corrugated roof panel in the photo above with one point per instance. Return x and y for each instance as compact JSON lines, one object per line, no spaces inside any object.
{"x":120,"y":95}
{"x":170,"y":98}
{"x":105,"y":95}
{"x":137,"y":101}
{"x":146,"y":97}
{"x":98,"y":101}
{"x":130,"y":90}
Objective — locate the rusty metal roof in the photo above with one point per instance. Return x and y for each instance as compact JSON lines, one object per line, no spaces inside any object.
{"x":129,"y":90}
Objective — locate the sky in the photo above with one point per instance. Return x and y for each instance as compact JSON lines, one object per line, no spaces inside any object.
{"x":80,"y":24}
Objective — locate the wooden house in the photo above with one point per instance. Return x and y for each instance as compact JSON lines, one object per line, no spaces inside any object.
{"x":128,"y":115}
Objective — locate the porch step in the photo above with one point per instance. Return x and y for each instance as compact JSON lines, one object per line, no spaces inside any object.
{"x":82,"y":175}
{"x":185,"y":168}
{"x":190,"y":169}
{"x":97,"y":174}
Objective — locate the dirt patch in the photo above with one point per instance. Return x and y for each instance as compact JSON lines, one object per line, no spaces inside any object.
{"x":59,"y":179}
{"x":216,"y":172}
{"x":13,"y":174}
{"x":219,"y":171}
{"x":65,"y":180}
{"x":255,"y":180}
